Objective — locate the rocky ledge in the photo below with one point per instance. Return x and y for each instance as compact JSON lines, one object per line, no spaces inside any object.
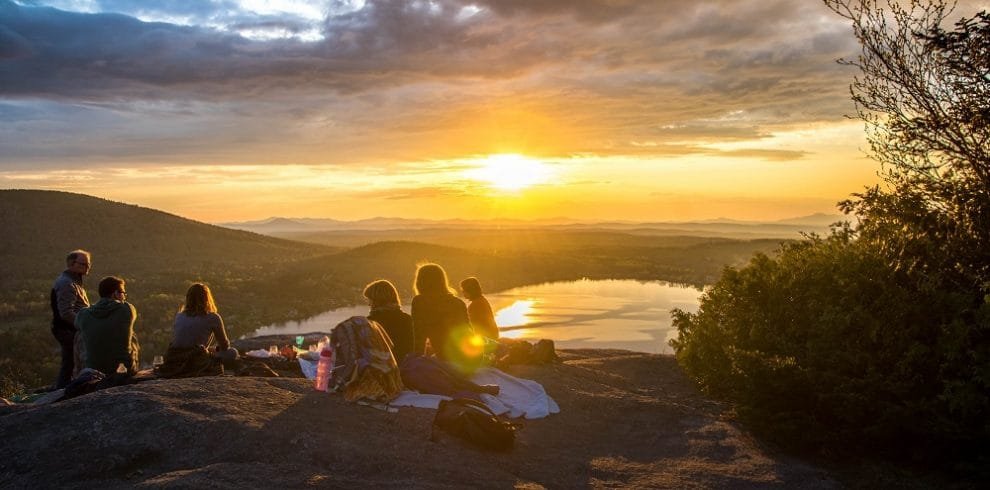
{"x":627,"y":420}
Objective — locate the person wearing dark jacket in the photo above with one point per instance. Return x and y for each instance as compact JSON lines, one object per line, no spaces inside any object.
{"x":67,"y":298}
{"x":386,"y":310}
{"x":107,"y":329}
{"x":438,"y":316}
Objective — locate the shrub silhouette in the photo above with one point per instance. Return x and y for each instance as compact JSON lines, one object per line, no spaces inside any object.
{"x":877,"y":337}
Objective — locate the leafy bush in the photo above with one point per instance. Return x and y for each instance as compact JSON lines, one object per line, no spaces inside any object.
{"x":876,"y":338}
{"x":828,"y":347}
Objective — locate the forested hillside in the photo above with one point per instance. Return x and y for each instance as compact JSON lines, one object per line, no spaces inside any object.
{"x":260,"y":280}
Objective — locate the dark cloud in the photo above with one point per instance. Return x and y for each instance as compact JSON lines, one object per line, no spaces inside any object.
{"x":383,"y":44}
{"x":594,"y":11}
{"x":393,"y":79}
{"x":13,"y":45}
{"x":94,"y":55}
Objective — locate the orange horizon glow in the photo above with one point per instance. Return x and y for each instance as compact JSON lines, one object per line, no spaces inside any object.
{"x":498,"y":186}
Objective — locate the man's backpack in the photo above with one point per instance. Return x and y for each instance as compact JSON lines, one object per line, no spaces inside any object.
{"x":475,"y":423}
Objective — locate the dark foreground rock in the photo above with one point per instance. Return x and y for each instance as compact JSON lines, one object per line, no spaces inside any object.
{"x":627,"y":420}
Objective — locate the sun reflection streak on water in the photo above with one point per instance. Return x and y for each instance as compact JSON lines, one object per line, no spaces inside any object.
{"x":614,"y":314}
{"x":515,"y":315}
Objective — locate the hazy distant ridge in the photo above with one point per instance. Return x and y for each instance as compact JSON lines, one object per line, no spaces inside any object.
{"x":786,"y":228}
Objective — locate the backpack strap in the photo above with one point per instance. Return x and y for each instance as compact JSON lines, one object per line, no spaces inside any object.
{"x":472,"y":403}
{"x":468,"y":402}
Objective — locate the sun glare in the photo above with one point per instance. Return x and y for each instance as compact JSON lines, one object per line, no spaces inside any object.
{"x":509,"y":172}
{"x":515,"y":315}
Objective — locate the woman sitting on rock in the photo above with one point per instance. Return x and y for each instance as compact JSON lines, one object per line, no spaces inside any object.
{"x":196,"y":327}
{"x":440,"y":317}
{"x":386,"y":310}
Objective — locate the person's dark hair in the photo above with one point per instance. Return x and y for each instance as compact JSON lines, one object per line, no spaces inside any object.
{"x":109,"y":285}
{"x":382,"y":293}
{"x":431,"y":279}
{"x":471,"y":287}
{"x":75,"y":254}
{"x":199,"y":300}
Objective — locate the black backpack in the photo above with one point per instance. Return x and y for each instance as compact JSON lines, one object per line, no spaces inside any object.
{"x":474,"y":422}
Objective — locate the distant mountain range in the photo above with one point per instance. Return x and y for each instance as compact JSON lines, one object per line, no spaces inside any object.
{"x":279,"y":224}
{"x":818,"y":222}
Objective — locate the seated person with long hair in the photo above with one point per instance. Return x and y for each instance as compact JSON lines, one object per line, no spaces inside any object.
{"x":438,"y":316}
{"x":441,"y":319}
{"x":386,"y":310}
{"x":197,"y":325}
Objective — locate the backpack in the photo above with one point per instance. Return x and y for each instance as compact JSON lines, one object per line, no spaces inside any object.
{"x":475,"y":423}
{"x":364,"y":366}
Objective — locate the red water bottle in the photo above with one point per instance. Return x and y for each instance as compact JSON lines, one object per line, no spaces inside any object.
{"x":324,"y":369}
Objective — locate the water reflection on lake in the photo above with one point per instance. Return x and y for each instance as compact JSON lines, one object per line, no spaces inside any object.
{"x":614,"y":314}
{"x":324,"y":322}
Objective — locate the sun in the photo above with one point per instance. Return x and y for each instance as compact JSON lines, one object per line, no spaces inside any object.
{"x":509,"y":172}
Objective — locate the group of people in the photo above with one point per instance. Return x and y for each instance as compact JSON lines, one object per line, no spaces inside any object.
{"x":109,"y":339}
{"x":101,"y":336}
{"x":439,"y":322}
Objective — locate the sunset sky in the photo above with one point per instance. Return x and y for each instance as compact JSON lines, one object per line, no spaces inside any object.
{"x":590,"y":109}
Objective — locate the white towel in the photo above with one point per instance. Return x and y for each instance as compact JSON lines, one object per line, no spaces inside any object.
{"x":409,"y":398}
{"x":517,"y":397}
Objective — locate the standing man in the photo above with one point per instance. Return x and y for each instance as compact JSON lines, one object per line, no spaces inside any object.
{"x":107,"y":328}
{"x":68,"y":297}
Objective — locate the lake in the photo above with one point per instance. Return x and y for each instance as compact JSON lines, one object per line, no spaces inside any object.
{"x":610,"y":314}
